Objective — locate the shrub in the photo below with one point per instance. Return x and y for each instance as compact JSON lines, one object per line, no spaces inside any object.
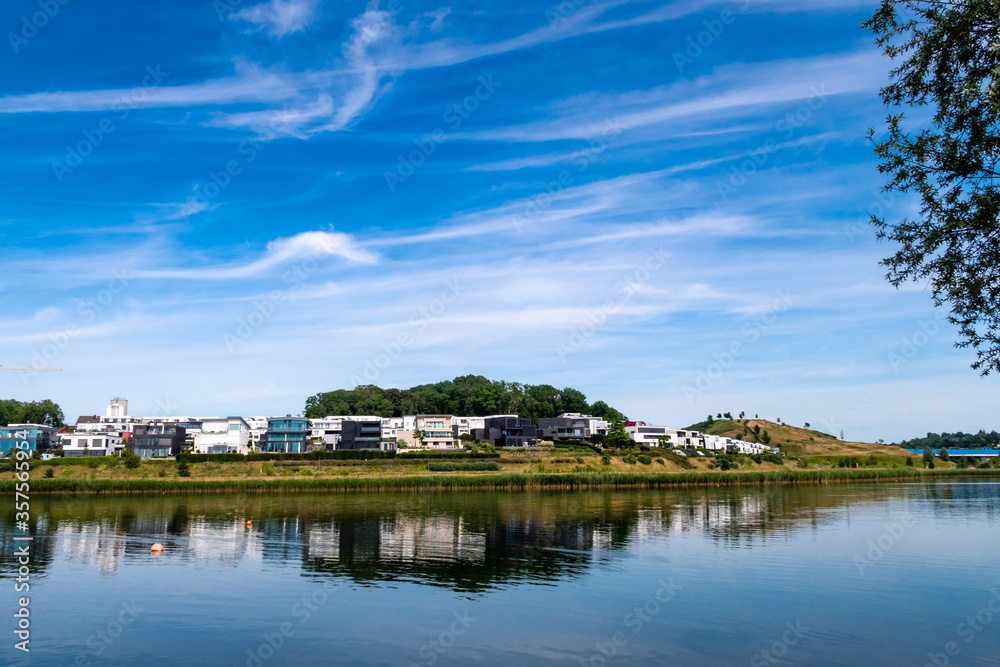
{"x":50,"y":473}
{"x":944,"y":455}
{"x":182,"y":468}
{"x":268,"y":468}
{"x":645,"y":459}
{"x":131,"y":460}
{"x":630,"y":459}
{"x":769,"y":458}
{"x":909,"y":461}
{"x":605,"y":460}
{"x":579,"y":459}
{"x":450,"y":466}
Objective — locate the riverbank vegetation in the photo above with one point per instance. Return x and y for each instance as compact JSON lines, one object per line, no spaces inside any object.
{"x":446,"y":476}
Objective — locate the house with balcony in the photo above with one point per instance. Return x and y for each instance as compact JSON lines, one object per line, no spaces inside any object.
{"x":157,"y":440}
{"x":38,"y":436}
{"x":566,"y":427}
{"x":646,"y":434}
{"x":222,"y":435}
{"x":288,"y":435}
{"x":364,"y":433}
{"x":507,"y":431}
{"x":434,"y":431}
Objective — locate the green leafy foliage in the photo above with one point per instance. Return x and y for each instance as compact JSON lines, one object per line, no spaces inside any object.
{"x":35,"y":412}
{"x":959,"y":440}
{"x":946,"y":64}
{"x":472,"y":395}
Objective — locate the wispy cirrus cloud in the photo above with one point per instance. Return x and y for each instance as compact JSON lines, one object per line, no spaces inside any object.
{"x":296,"y":104}
{"x":731,"y":91}
{"x":279,"y":17}
{"x":315,"y":245}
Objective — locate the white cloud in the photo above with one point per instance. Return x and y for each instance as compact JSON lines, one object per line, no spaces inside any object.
{"x":730,"y":92}
{"x":279,"y":17}
{"x":314,"y":245}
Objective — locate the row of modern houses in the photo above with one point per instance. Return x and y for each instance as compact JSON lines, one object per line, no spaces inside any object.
{"x":151,"y":437}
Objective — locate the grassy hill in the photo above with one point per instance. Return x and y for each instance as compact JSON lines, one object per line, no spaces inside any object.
{"x":792,"y":440}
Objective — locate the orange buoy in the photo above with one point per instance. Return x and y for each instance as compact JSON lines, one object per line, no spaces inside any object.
{"x":248,"y":524}
{"x":156,"y":548}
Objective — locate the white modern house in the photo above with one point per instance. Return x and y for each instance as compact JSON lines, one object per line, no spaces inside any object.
{"x":91,"y":443}
{"x":685,"y":439}
{"x":466,"y":425}
{"x":222,"y":435}
{"x":646,"y":434}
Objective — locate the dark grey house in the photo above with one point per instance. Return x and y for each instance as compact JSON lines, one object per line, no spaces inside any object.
{"x":157,"y":440}
{"x":366,"y":434}
{"x":564,"y":428}
{"x":507,"y":432}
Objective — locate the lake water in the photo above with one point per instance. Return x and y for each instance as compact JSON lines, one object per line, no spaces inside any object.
{"x":847,"y":574}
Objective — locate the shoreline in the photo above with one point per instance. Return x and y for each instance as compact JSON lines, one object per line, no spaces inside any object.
{"x":503,"y":481}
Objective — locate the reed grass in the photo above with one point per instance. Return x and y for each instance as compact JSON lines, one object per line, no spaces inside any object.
{"x":503,"y":480}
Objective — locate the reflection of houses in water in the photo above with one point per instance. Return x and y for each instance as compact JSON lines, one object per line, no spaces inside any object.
{"x":101,"y":544}
{"x":226,"y":541}
{"x":414,"y":538}
{"x":281,"y":538}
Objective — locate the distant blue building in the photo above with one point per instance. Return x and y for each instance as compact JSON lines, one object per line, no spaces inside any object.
{"x":38,"y":436}
{"x":289,"y":435}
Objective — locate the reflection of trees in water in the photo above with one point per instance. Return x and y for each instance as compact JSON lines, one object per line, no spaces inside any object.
{"x":465,"y":541}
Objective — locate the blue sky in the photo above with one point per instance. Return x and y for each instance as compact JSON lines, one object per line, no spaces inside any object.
{"x":223,"y":208}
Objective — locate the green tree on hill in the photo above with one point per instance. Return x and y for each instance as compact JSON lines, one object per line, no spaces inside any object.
{"x":928,"y":457}
{"x":471,"y":395}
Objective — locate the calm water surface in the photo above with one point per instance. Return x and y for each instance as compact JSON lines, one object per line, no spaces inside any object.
{"x":860,"y":574}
